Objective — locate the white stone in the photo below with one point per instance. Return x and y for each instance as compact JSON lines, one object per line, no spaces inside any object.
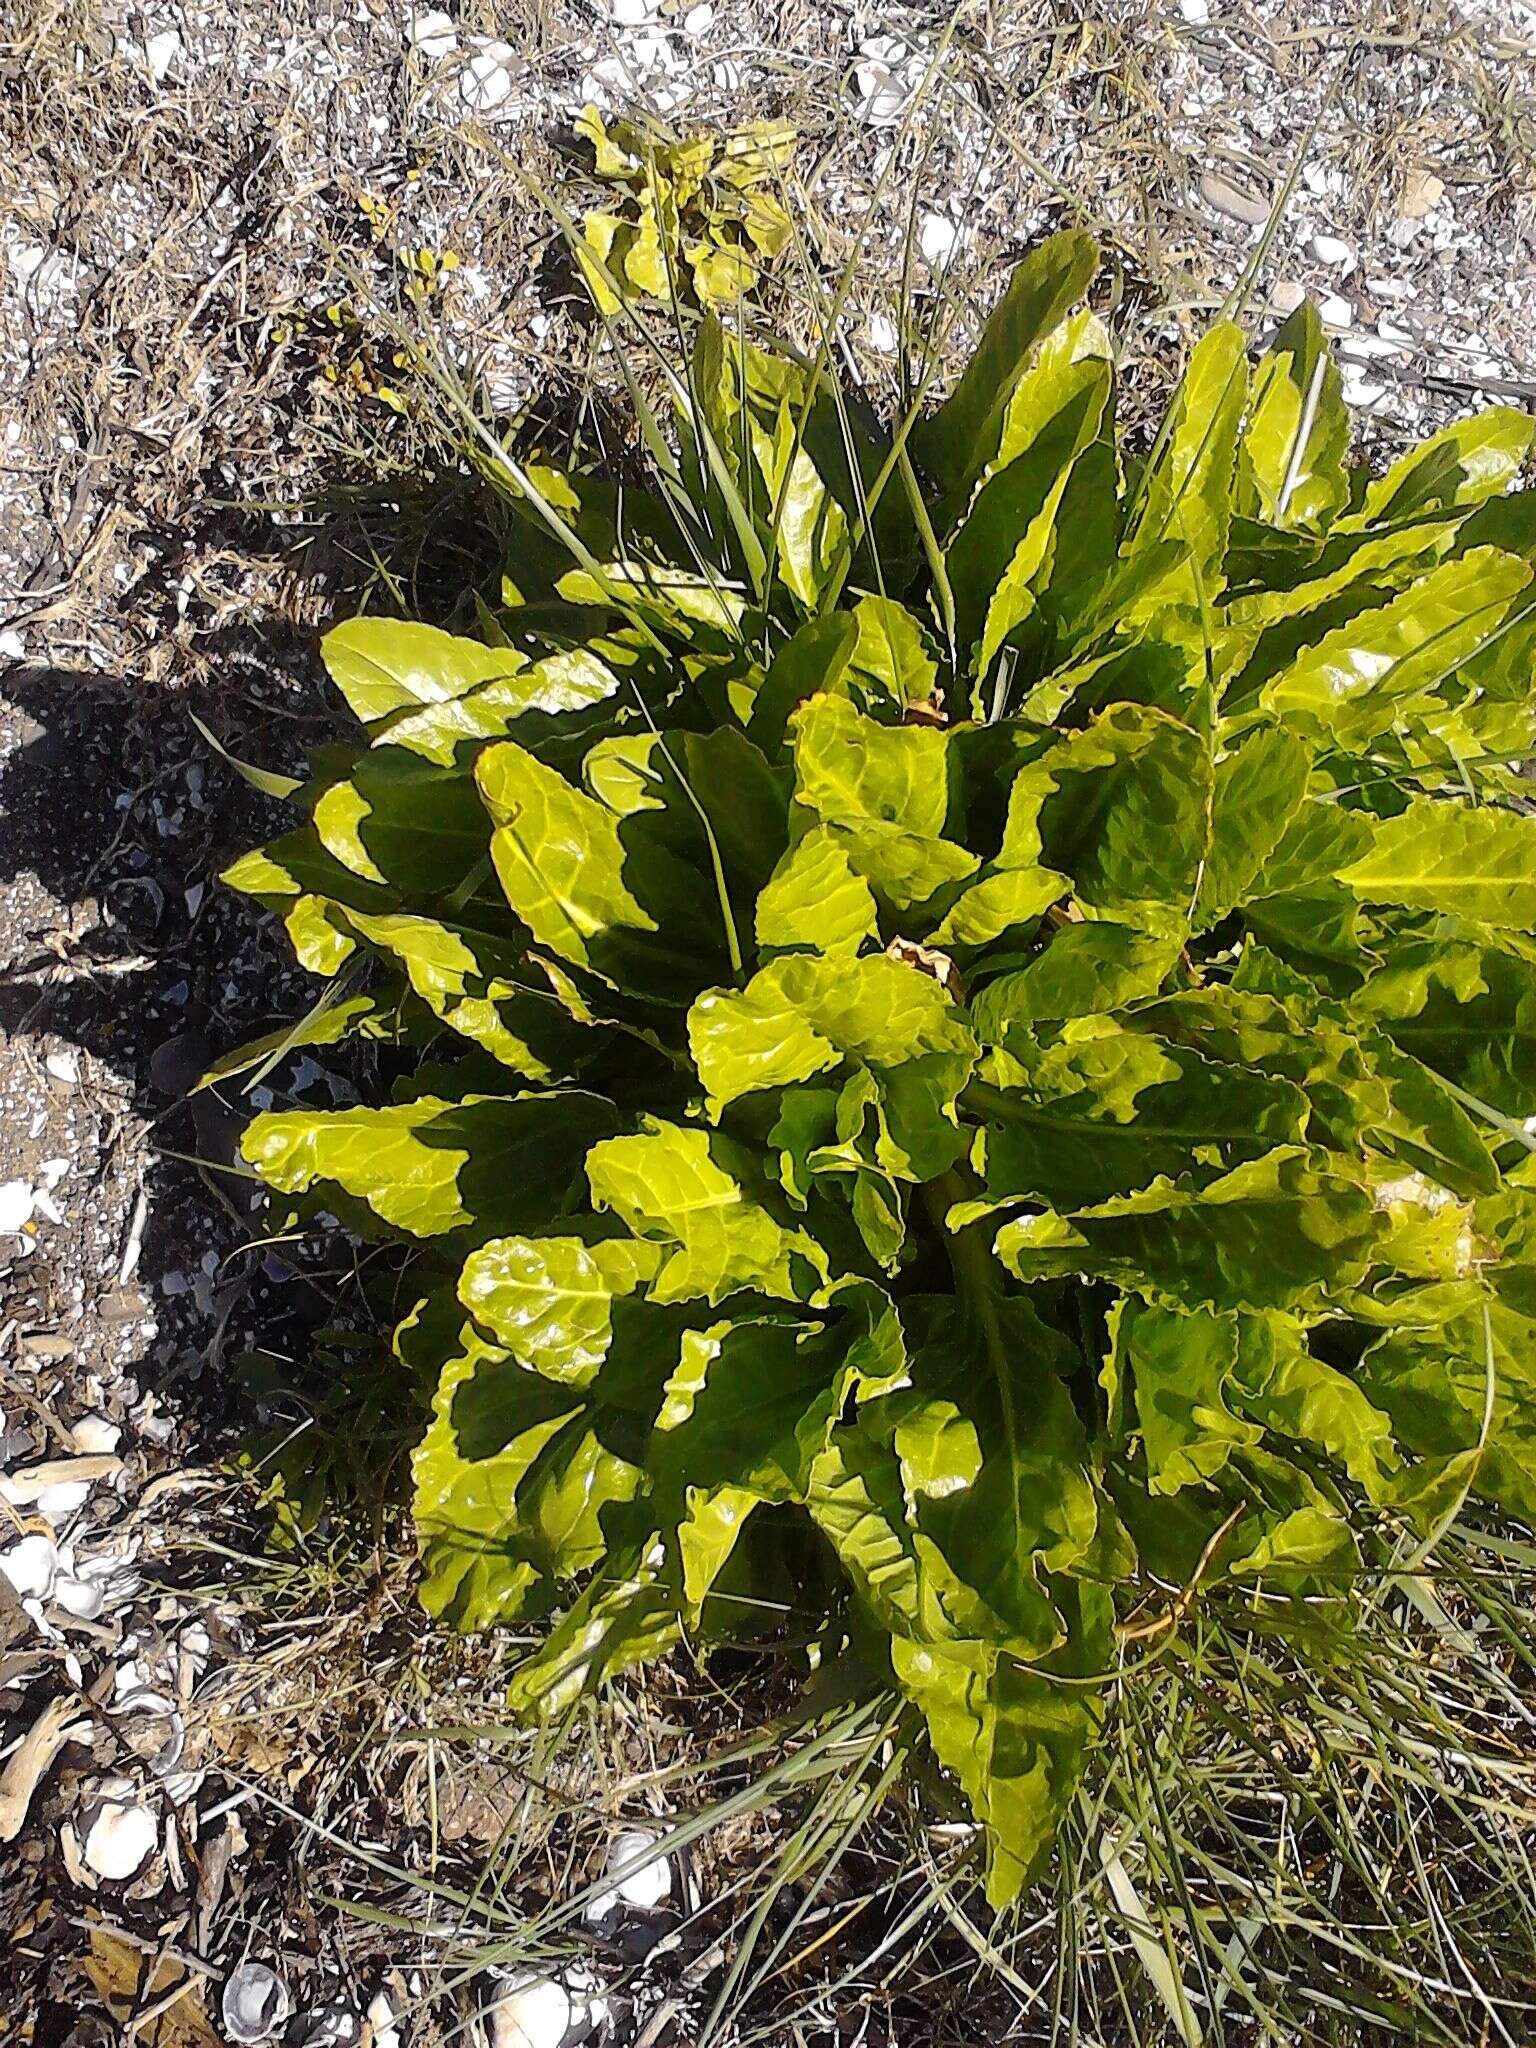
{"x":120,"y":1838}
{"x":161,"y":52}
{"x":630,"y":13}
{"x":31,"y":1565}
{"x":699,"y":21}
{"x":381,"y":2016}
{"x":882,"y":335}
{"x":432,"y":33}
{"x":532,"y":2012}
{"x":15,"y":1207}
{"x":1362,"y":391}
{"x":936,"y":237}
{"x":63,"y":1066}
{"x":1196,"y":12}
{"x":1336,"y":311}
{"x":1285,"y":295}
{"x":1331,"y":250}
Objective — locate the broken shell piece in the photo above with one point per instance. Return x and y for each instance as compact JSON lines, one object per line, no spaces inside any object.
{"x":82,"y":1598}
{"x":381,"y":2021}
{"x":634,"y":1875}
{"x":155,"y":1731}
{"x":531,"y":2012}
{"x":122,"y":1833}
{"x":255,"y":2003}
{"x":15,"y":1206}
{"x":29,"y":1761}
{"x":31,"y":1566}
{"x":328,"y":2026}
{"x":94,"y":1433}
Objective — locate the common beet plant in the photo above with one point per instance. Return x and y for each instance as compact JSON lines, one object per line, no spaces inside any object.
{"x":966,"y":1020}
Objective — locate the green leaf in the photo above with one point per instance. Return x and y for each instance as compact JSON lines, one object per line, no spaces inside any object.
{"x":482,"y":1164}
{"x":1461,"y":466}
{"x":590,"y":885}
{"x":885,"y":792}
{"x":1440,"y":1386}
{"x":1106,"y":1115}
{"x":1466,"y":1009}
{"x":1438,"y":856}
{"x":1353,"y":684}
{"x":403,"y":822}
{"x":479,"y":988}
{"x":1297,"y":436}
{"x":1181,"y":1368}
{"x":893,"y":653}
{"x":813,"y":661}
{"x":1124,"y":810}
{"x":510,"y":1482}
{"x":814,"y":901}
{"x":550,"y":1300}
{"x":962,"y":436}
{"x":383,"y":666}
{"x":1257,"y":790}
{"x":1015,"y":1741}
{"x":1086,"y":970}
{"x":1186,"y":493}
{"x":1269,"y":1234}
{"x":684,"y":1190}
{"x":806,"y":1015}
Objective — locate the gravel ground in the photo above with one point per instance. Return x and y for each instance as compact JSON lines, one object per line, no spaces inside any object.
{"x":211,"y":223}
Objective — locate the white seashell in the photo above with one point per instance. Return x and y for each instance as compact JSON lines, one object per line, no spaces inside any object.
{"x":485,"y":83}
{"x":255,"y":2003}
{"x":157,"y":1734}
{"x":532,"y":2012}
{"x":31,"y":1566}
{"x":94,"y":1433}
{"x":15,"y":1207}
{"x":936,"y":237}
{"x":1331,"y":250}
{"x":64,"y":1066}
{"x":120,"y":1837}
{"x":882,"y":335}
{"x":1336,"y":310}
{"x":59,"y":1501}
{"x":83,"y":1598}
{"x":432,"y":33}
{"x":634,"y":1875}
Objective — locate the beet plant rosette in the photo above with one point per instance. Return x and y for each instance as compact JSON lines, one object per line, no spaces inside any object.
{"x":968,"y":1007}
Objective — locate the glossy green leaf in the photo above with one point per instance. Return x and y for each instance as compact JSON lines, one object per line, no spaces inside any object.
{"x":814,"y":901}
{"x":962,"y":435}
{"x":1436,"y":856}
{"x":427,"y":1167}
{"x":1297,"y":435}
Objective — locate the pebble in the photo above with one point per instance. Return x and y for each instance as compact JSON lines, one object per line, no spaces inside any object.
{"x":1196,"y":12}
{"x":533,"y":2012}
{"x":881,"y":334}
{"x":1233,"y":201}
{"x":64,"y":1066}
{"x":1285,"y":295}
{"x":94,"y":1435}
{"x":121,"y":1836}
{"x":1336,"y":310}
{"x":15,"y":1207}
{"x":1330,"y":249}
{"x":381,"y":2021}
{"x":630,"y":13}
